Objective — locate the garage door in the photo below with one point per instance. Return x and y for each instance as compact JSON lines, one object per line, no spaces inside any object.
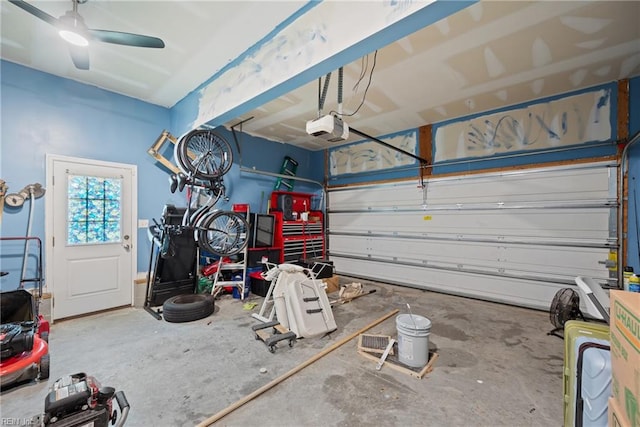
{"x":513,"y":237}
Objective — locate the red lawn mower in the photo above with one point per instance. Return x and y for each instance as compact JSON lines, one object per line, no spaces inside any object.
{"x":24,"y":333}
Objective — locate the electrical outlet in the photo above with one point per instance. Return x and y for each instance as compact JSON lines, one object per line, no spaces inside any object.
{"x":143,"y":223}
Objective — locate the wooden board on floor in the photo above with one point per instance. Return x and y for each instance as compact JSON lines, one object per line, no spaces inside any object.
{"x":394,"y":364}
{"x":264,"y":334}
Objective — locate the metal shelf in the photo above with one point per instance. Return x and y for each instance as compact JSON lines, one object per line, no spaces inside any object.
{"x":230,"y":266}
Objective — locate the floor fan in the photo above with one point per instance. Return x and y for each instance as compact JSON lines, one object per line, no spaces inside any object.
{"x":565,"y":306}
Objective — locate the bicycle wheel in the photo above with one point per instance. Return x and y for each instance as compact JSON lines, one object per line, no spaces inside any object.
{"x":222,"y":233}
{"x":205,"y":154}
{"x":178,"y":158}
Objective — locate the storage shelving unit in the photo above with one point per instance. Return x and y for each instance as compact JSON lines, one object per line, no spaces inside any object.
{"x":230,"y":266}
{"x":240,"y":265}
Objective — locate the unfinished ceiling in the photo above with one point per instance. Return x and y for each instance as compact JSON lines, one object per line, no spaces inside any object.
{"x":489,"y":55}
{"x":201,"y":37}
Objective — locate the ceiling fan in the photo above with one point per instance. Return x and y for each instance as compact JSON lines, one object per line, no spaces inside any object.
{"x":72,"y":28}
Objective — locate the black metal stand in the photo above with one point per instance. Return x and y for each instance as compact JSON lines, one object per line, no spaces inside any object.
{"x":149,"y":292}
{"x":38,"y":279}
{"x":555,"y":331}
{"x":173,"y":273}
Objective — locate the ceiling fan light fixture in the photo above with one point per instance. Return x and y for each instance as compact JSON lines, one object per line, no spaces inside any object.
{"x":74,"y":37}
{"x":73,"y":29}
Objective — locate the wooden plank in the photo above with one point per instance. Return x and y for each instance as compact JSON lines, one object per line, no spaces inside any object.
{"x":281,"y":328}
{"x":263,"y":334}
{"x":531,"y":166}
{"x":625,"y":219}
{"x":166,"y":163}
{"x":623,"y":110}
{"x":390,"y":363}
{"x":154,"y":151}
{"x":425,"y":147}
{"x":623,"y":136}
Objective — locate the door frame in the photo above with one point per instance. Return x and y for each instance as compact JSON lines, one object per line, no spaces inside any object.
{"x":48,"y":214}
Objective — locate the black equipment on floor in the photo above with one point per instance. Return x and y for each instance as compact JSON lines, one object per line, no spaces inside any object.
{"x":565,"y":306}
{"x":79,"y":400}
{"x":173,"y":261}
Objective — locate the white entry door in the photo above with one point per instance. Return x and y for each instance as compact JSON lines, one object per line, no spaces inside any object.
{"x":91,"y":242}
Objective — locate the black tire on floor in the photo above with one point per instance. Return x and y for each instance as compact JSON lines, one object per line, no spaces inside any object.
{"x":44,"y":367}
{"x":186,"y":308}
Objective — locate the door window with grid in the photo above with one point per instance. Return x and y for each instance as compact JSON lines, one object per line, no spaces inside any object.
{"x":93,"y":210}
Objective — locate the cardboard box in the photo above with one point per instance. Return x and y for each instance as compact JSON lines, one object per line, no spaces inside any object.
{"x":625,"y":354}
{"x":616,"y":416}
{"x":333,"y":284}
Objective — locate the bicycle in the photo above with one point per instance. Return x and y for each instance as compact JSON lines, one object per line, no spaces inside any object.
{"x":203,"y":157}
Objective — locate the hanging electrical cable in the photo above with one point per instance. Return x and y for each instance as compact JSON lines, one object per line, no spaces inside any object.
{"x":364,"y":66}
{"x":364,"y":95}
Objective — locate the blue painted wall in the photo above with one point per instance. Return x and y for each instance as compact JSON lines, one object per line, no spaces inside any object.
{"x":263,"y":155}
{"x":42,"y":113}
{"x":633,"y":251}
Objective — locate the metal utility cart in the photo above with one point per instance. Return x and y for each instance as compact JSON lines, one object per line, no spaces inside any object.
{"x":280,"y":333}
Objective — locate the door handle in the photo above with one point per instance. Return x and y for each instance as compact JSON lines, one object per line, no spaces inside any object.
{"x":126,"y":247}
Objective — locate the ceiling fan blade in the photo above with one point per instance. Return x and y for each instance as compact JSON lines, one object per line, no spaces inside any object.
{"x":79,"y":56}
{"x":127,"y":39}
{"x":35,"y":11}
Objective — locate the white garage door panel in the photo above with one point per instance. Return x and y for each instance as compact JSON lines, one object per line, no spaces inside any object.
{"x":513,"y":237}
{"x":377,"y":196}
{"x":525,"y":293}
{"x":543,"y":262}
{"x":474,"y":254}
{"x":544,"y":185}
{"x":556,"y":261}
{"x":588,"y":225}
{"x":522,"y":188}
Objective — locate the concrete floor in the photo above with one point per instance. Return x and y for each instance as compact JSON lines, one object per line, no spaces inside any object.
{"x":496,"y":366}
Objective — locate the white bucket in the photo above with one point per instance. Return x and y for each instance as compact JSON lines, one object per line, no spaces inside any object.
{"x":413,"y":339}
